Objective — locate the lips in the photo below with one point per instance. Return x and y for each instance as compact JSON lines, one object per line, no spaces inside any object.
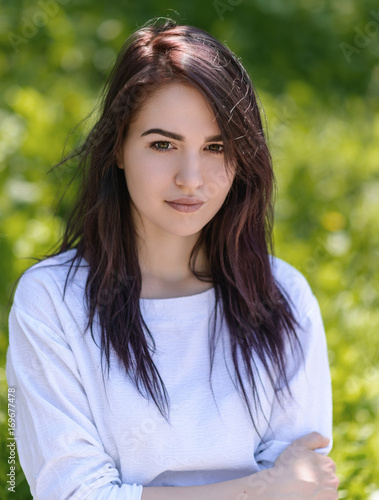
{"x":186,"y":205}
{"x":187,"y":201}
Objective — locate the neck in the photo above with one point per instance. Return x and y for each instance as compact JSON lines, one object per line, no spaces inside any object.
{"x":166,"y":258}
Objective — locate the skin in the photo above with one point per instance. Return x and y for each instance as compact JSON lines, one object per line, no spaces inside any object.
{"x":159,"y":168}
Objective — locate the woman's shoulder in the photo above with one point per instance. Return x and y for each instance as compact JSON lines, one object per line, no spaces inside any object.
{"x":48,"y":280}
{"x":294,"y":285}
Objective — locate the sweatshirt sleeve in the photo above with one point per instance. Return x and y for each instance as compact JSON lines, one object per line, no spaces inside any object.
{"x":59,"y":448}
{"x":309,"y":406}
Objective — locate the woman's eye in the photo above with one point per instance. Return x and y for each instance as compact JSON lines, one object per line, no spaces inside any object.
{"x":160,"y":145}
{"x":216,"y":148}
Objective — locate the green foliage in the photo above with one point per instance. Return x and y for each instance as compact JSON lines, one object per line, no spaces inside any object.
{"x":315,"y":65}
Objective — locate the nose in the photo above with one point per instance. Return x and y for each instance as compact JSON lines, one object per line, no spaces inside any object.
{"x":189,"y":174}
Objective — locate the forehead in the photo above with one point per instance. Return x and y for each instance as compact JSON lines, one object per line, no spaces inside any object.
{"x":177,"y":105}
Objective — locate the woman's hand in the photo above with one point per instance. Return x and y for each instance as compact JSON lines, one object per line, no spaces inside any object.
{"x":299,"y":473}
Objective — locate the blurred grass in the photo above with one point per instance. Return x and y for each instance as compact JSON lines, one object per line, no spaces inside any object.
{"x":321,"y":100}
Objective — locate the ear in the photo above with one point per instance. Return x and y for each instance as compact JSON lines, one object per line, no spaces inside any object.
{"x":119,"y":161}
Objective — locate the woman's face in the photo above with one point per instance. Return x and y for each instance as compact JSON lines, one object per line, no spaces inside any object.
{"x":173,"y":151}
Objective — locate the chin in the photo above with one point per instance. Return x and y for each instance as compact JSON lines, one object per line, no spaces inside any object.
{"x":184,"y":229}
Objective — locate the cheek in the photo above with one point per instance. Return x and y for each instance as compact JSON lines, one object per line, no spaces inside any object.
{"x":146,"y":163}
{"x":142,"y":176}
{"x":217,"y":183}
{"x":139,"y":186}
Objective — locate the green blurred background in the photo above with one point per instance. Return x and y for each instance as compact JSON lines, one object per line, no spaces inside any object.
{"x":315,"y":64}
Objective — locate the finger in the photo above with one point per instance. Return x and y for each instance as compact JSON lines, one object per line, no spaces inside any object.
{"x":335,"y":482}
{"x":312,"y":441}
{"x":331,"y":464}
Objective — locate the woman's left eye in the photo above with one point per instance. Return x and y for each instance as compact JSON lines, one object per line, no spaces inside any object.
{"x":216,"y":148}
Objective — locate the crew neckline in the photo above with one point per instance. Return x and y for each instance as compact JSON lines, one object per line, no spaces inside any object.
{"x":182,"y":298}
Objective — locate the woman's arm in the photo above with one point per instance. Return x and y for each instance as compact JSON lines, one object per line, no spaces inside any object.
{"x":60,"y":450}
{"x":308,"y":406}
{"x":299,"y":473}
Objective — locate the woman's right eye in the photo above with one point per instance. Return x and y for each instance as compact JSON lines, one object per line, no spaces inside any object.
{"x":160,"y":145}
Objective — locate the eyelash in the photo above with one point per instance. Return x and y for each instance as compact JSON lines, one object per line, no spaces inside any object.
{"x":154,"y":145}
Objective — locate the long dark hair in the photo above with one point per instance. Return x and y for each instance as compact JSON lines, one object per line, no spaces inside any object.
{"x":237,"y":241}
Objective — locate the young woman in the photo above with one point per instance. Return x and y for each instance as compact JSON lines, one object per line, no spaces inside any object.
{"x":162,"y":352}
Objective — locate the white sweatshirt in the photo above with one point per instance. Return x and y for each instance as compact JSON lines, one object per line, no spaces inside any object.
{"x":84,"y":436}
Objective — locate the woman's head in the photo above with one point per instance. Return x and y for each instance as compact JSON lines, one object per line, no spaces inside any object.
{"x":158,"y":55}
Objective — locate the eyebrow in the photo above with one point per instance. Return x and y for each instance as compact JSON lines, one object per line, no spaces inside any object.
{"x":178,"y":137}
